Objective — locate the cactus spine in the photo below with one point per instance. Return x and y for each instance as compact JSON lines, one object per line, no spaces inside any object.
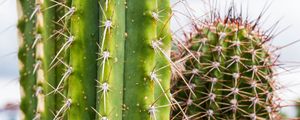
{"x":231,"y":73}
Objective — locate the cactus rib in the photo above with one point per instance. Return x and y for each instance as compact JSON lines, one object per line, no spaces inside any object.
{"x":26,"y":55}
{"x":111,"y":59}
{"x":83,"y":64}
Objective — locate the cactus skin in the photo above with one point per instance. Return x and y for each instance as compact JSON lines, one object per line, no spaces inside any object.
{"x":82,"y":80}
{"x":111,"y":59}
{"x":233,"y":77}
{"x":26,"y":56}
{"x":139,"y":59}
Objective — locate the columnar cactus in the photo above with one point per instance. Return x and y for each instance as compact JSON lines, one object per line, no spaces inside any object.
{"x":90,"y":59}
{"x":228,"y":65}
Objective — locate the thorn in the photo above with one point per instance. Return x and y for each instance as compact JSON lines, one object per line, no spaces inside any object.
{"x":107,"y":26}
{"x":37,"y":66}
{"x":104,"y":88}
{"x":65,"y":46}
{"x":154,"y":77}
{"x":65,"y":76}
{"x":106,"y":4}
{"x":69,"y":13}
{"x":38,"y":37}
{"x":63,"y":109}
{"x":254,"y":101}
{"x":37,"y":8}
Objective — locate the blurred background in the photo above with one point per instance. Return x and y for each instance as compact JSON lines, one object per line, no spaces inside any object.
{"x":185,"y":11}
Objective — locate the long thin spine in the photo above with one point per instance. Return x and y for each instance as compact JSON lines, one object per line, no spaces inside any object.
{"x":139,"y":60}
{"x":26,"y":57}
{"x":45,"y":50}
{"x":111,"y":59}
{"x":82,"y":79}
{"x":162,"y":65}
{"x":62,"y":27}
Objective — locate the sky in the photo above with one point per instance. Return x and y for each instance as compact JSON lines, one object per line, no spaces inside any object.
{"x":287,"y":11}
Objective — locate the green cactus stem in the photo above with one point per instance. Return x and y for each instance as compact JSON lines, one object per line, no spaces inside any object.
{"x":83,"y":59}
{"x":26,"y":55}
{"x":232,"y":75}
{"x":111,"y":59}
{"x":139,"y":60}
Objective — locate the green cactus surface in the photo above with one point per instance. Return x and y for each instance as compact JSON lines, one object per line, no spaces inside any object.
{"x":228,"y":65}
{"x":91,"y":59}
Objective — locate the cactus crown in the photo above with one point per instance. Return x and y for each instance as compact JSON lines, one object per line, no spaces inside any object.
{"x":228,"y":64}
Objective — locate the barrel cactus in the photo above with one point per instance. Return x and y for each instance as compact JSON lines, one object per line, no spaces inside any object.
{"x":91,"y":59}
{"x":228,"y":64}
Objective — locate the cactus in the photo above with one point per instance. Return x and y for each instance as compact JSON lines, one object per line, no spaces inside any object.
{"x":228,"y":65}
{"x":110,"y":60}
{"x":90,"y":60}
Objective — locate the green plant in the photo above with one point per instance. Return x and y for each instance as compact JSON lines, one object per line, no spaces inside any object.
{"x":89,"y":60}
{"x":228,"y":64}
{"x":110,"y":60}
